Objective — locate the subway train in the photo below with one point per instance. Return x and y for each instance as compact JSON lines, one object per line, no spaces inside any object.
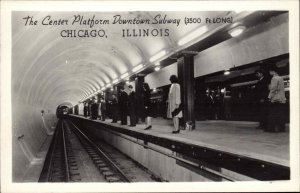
{"x":63,"y":110}
{"x":239,"y":83}
{"x":233,"y":92}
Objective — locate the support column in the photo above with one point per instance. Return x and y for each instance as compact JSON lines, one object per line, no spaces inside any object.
{"x":185,"y":61}
{"x":139,"y":80}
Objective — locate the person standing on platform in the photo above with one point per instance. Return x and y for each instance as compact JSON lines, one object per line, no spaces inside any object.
{"x":132,"y":106}
{"x":114,"y":108}
{"x":85,"y":109}
{"x":88,"y":108}
{"x":209,"y":105}
{"x":99,"y":109}
{"x":227,"y":104}
{"x":262,"y":91}
{"x":277,"y":100}
{"x":94,"y":109}
{"x":174,"y":101}
{"x":103,"y":109}
{"x":147,"y":105}
{"x":123,"y":101}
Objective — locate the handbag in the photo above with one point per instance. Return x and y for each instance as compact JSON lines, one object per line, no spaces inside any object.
{"x":177,"y":110}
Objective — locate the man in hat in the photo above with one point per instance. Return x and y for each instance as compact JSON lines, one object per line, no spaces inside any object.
{"x":123,"y":101}
{"x":132,"y":106}
{"x":262,"y":91}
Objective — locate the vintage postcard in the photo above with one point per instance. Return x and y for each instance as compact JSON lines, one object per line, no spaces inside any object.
{"x":149,"y":96}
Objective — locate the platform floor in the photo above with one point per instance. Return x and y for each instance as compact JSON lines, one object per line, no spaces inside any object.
{"x":236,"y":137}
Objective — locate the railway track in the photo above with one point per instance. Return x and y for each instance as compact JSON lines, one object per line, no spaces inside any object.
{"x":107,"y":167}
{"x":61,"y":164}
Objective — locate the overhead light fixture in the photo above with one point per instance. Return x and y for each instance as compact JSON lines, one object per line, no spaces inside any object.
{"x":237,"y":31}
{"x":137,"y":68}
{"x":112,"y":89}
{"x":108,"y":85}
{"x":127,"y":82}
{"x":157,"y":68}
{"x":198,"y":32}
{"x":115,"y":81}
{"x":227,"y":72}
{"x":158,"y":56}
{"x":157,"y":64}
{"x":124,"y":75}
{"x":237,"y":11}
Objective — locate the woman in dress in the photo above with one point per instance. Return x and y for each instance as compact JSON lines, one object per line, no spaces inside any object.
{"x":174,"y":101}
{"x":147,"y":105}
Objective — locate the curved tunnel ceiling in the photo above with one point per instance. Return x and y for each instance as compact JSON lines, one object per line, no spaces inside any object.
{"x":48,"y":69}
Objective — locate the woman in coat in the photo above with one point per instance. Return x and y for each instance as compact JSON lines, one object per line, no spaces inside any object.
{"x":277,"y":100}
{"x":147,"y":105}
{"x":174,"y":100}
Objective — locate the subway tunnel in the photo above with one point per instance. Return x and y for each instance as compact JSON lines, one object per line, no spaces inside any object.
{"x":69,"y":58}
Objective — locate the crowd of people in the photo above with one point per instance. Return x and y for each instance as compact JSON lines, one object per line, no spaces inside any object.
{"x":269,"y":92}
{"x":120,"y":107}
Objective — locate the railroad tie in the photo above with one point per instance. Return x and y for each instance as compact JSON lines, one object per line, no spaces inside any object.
{"x":104,"y":169}
{"x":98,"y":161}
{"x":101,"y":165}
{"x":75,"y":177}
{"x":108,"y":174}
{"x":113,"y":179}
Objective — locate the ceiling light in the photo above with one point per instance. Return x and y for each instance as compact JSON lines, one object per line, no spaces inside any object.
{"x":158,"y":56}
{"x":227,"y":72}
{"x":198,"y":32}
{"x":115,"y":81}
{"x":137,"y":68}
{"x":237,"y":12}
{"x":237,"y":31}
{"x":108,"y":85}
{"x":156,"y":64}
{"x":124,"y":75}
{"x":157,"y":68}
{"x":127,"y":82}
{"x":112,"y":89}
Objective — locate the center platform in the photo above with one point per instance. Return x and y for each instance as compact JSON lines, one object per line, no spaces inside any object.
{"x":231,"y":145}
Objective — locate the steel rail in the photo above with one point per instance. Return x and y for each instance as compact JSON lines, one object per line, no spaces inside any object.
{"x":52,"y":153}
{"x":102,"y":153}
{"x":65,"y":154}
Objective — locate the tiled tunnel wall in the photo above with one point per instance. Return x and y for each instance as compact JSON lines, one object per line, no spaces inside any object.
{"x":28,"y":122}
